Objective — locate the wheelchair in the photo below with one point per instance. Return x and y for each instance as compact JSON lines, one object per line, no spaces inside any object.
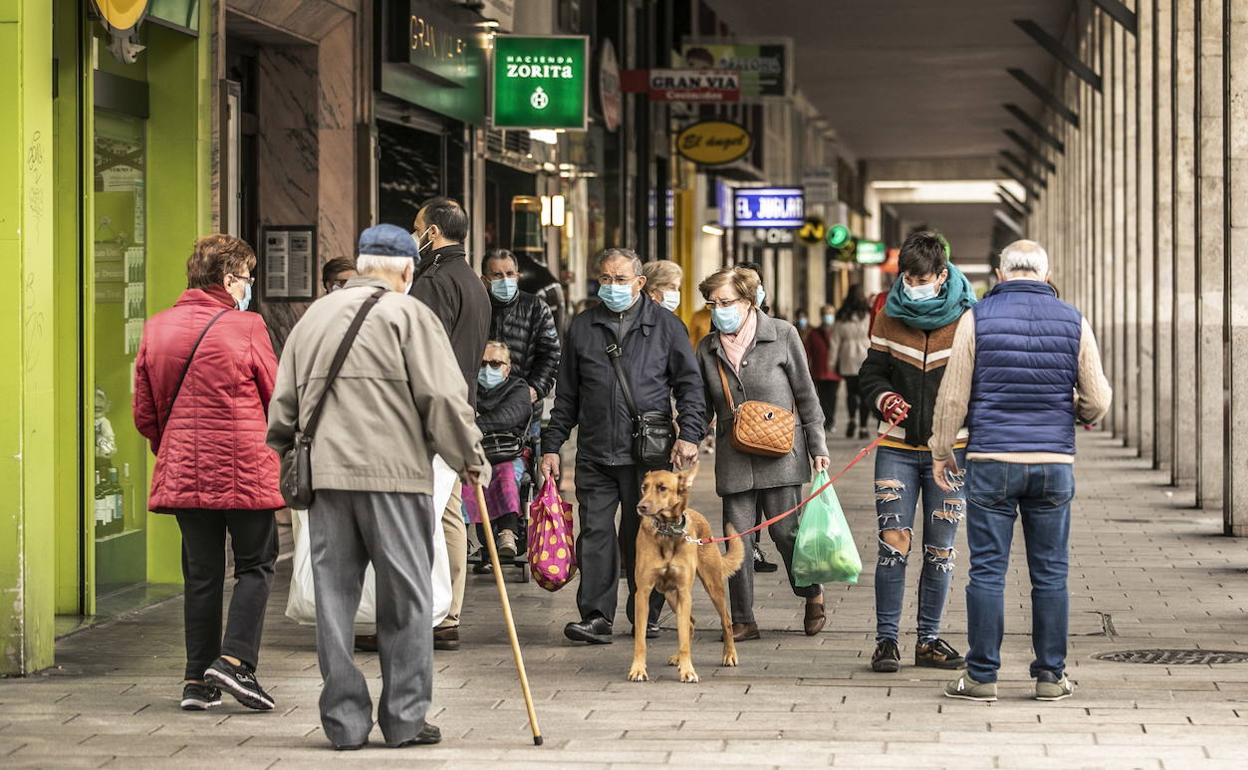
{"x":530,"y":455}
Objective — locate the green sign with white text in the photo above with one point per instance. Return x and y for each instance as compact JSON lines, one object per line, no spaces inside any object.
{"x":540,"y":82}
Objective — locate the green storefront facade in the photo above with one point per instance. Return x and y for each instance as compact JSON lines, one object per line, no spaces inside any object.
{"x":107,"y":170}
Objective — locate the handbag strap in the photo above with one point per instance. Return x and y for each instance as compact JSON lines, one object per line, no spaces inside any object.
{"x":177,"y":391}
{"x":615,"y":352}
{"x":340,"y":356}
{"x":723,"y":379}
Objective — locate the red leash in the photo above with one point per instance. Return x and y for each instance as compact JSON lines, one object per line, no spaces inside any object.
{"x":862,"y":454}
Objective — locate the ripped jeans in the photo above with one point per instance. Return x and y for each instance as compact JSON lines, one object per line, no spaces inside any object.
{"x":900,"y":476}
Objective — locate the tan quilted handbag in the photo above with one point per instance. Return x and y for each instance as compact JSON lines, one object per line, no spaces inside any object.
{"x":759,"y":428}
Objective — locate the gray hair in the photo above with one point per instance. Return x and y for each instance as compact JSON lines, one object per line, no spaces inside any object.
{"x":1025,"y":257}
{"x":616,"y":252}
{"x":372,"y":264}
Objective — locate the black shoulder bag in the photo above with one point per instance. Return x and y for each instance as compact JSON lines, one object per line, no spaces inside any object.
{"x":653,"y":432}
{"x":177,"y":391}
{"x":297,"y":463}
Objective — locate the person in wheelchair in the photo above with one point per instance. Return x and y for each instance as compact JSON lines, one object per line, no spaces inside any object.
{"x":504,"y":410}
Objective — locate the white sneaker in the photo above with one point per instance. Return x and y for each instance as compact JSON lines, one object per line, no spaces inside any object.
{"x":506,"y":542}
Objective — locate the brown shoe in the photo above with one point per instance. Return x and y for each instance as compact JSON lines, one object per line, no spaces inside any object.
{"x":815,"y":618}
{"x":743,"y":632}
{"x":366,"y":643}
{"x":446,"y":638}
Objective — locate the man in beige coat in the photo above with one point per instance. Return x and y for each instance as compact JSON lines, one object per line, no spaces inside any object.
{"x":397,"y":401}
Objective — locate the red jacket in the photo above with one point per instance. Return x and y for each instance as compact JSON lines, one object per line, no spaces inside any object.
{"x":210,"y":452}
{"x":817,"y":347}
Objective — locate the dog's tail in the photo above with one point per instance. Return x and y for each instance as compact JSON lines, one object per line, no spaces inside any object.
{"x":736,"y":552}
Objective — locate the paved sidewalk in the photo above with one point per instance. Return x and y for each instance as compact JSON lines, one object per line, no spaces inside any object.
{"x":1146,"y":572}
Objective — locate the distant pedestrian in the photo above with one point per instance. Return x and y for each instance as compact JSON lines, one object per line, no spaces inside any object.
{"x":447,"y":284}
{"x":663,"y":279}
{"x":910,"y":343}
{"x":202,"y":383}
{"x":819,"y":344}
{"x":336,"y":272}
{"x":761,"y":359}
{"x":802,"y":322}
{"x":656,"y":362}
{"x":525,"y":324}
{"x":397,"y":401}
{"x":1024,"y":369}
{"x":851,"y":338}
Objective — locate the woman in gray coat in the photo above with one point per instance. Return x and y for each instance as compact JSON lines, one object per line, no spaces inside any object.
{"x":763,"y":360}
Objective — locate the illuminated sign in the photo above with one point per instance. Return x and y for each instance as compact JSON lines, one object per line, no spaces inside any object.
{"x":768,"y":207}
{"x":838,"y":236}
{"x":713,"y":142}
{"x":540,"y":82}
{"x":870,"y":253}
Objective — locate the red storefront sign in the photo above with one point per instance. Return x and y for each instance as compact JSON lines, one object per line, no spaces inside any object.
{"x":684,"y":85}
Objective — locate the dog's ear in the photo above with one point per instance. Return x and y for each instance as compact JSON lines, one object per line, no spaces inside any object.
{"x":686,"y":478}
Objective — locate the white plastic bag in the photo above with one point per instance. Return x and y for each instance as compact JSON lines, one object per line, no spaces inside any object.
{"x":301,"y":604}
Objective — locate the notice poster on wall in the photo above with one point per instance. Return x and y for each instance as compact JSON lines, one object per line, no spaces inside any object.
{"x":289,"y":266}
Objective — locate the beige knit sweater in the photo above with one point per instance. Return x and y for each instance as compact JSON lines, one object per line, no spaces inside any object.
{"x":1092,"y":396}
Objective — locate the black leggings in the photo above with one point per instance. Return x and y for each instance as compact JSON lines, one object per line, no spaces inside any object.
{"x":826,"y":389}
{"x":855,"y":402}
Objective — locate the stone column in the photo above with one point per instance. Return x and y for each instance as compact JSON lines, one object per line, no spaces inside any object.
{"x":1186,"y":418}
{"x":1210,"y":253}
{"x":1163,"y":224}
{"x":1235,"y":504}
{"x":1130,"y":287}
{"x":1146,"y":170}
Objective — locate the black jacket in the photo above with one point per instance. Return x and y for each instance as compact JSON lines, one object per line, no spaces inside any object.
{"x":528,"y":328}
{"x":657,"y":358}
{"x":453,"y":291}
{"x":505,"y":409}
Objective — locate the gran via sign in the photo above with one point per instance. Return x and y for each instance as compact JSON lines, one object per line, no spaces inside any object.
{"x":540,"y":82}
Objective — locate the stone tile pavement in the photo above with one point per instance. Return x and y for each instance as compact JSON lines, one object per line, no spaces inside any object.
{"x":1146,"y":572}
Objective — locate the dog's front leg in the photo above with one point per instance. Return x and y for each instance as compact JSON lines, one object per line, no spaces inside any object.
{"x":641,"y":603}
{"x":684,"y":636}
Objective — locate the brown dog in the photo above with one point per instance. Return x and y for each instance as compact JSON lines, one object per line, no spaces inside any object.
{"x":667,"y":562}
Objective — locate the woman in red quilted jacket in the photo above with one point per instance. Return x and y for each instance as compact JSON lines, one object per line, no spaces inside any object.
{"x":203,"y":380}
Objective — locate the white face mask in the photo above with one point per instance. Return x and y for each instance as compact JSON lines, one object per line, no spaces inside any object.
{"x":671,"y":300}
{"x":921,"y":293}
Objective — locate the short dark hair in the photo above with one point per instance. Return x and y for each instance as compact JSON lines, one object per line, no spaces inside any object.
{"x":924,"y":252}
{"x":215,"y":256}
{"x":494,"y":255}
{"x":335,"y":266}
{"x":448,"y":215}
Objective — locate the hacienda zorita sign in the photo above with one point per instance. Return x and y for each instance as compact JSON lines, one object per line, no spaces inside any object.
{"x":540,"y":82}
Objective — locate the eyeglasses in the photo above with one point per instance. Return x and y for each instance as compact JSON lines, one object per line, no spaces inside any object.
{"x":616,"y":280}
{"x":722,"y":303}
{"x":495,"y":363}
{"x":250,"y":279}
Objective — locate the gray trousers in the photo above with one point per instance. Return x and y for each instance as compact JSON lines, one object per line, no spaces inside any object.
{"x":395,"y":532}
{"x":745,"y":510}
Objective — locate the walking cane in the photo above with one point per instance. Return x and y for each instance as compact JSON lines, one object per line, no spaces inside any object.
{"x":511,"y":623}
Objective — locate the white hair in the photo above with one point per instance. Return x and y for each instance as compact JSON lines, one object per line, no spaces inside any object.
{"x":372,"y":264}
{"x":1025,"y":257}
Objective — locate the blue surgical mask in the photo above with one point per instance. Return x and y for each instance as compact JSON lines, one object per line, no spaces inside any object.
{"x":727,"y":319}
{"x":802,"y":323}
{"x":829,"y":319}
{"x":671,"y":300}
{"x":245,"y":302}
{"x":921,"y":293}
{"x":504,"y":289}
{"x":616,"y":298}
{"x":760,"y":296}
{"x":490,"y":377}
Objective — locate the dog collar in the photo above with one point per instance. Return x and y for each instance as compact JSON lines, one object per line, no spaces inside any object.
{"x":671,"y":530}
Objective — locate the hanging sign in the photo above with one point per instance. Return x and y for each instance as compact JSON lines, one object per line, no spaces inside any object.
{"x":765,"y":66}
{"x":813,"y":230}
{"x":768,"y":207}
{"x":610,"y":99}
{"x":121,"y":19}
{"x":713,"y":142}
{"x":540,"y":82}
{"x":870,"y":253}
{"x":691,"y":85}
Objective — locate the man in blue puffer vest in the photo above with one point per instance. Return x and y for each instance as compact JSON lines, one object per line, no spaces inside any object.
{"x":1024,"y":369}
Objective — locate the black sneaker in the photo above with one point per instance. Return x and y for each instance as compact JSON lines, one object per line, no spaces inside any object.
{"x":760,"y":562}
{"x":427,"y":736}
{"x":197,"y":696}
{"x":239,"y":681}
{"x":938,"y":654}
{"x":887,"y":658}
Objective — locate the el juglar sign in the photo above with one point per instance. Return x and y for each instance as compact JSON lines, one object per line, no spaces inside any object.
{"x":540,"y":82}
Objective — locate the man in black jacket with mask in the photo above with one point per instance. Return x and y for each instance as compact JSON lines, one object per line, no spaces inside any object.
{"x":448,"y":285}
{"x":658,"y":360}
{"x":524,"y":322}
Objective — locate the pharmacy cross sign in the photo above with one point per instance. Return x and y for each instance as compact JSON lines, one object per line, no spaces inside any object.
{"x":540,"y":82}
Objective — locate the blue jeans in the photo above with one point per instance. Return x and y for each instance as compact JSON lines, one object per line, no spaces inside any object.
{"x":996,"y":493}
{"x":900,"y":476}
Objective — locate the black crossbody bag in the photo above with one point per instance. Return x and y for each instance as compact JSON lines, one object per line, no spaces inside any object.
{"x":297,"y":487}
{"x":653,"y":432}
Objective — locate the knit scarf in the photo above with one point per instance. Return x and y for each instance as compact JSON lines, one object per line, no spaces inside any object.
{"x":955,"y":297}
{"x":735,"y":345}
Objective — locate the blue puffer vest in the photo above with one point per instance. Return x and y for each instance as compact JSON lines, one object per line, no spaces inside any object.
{"x":1026,"y":367}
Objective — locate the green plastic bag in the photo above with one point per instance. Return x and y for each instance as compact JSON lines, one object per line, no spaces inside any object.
{"x":825,"y":550}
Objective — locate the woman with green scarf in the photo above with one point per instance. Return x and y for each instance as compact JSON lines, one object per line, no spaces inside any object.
{"x":911,"y":340}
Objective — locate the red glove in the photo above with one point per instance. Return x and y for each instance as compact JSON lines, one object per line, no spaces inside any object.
{"x":893,"y":407}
